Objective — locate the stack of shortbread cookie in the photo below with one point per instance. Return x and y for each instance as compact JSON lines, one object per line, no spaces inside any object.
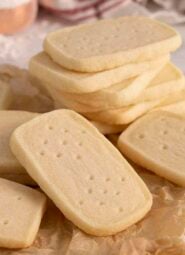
{"x":112,"y":71}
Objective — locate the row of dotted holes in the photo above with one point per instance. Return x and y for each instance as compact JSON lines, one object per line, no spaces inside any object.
{"x":106,"y":37}
{"x":90,"y":191}
{"x":65,"y":130}
{"x":165,"y":132}
{"x":142,"y":136}
{"x":64,"y":143}
{"x":164,"y":146}
{"x":101,"y":204}
{"x":79,"y":157}
{"x":104,"y":191}
{"x":107,"y":179}
{"x":59,"y":155}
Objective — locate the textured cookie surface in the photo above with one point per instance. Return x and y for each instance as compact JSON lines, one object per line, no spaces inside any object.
{"x":96,"y":189}
{"x":9,"y":120}
{"x":123,"y":115}
{"x":177,"y":108}
{"x":118,"y":95}
{"x":21,"y":212}
{"x":110,"y":43}
{"x":150,"y":85}
{"x":44,"y":69}
{"x":157,"y":142}
{"x":5,"y":95}
{"x":169,"y":80}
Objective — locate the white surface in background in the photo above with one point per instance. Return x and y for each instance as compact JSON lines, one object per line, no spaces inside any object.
{"x":18,"y":49}
{"x":5,"y":4}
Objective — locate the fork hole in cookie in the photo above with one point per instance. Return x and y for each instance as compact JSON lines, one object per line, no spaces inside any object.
{"x":101,"y":203}
{"x":5,"y":222}
{"x":80,"y":144}
{"x":83,"y":131}
{"x":64,"y":142}
{"x":78,"y":157}
{"x":42,"y":153}
{"x":141,"y":136}
{"x":107,"y":179}
{"x":120,"y":209}
{"x":91,"y":178}
{"x":59,"y":155}
{"x":66,"y":131}
{"x":81,"y":202}
{"x":90,"y":191}
{"x":164,"y":147}
{"x":50,"y":128}
{"x":19,"y":198}
{"x":165,"y":132}
{"x":45,"y":141}
{"x":122,"y":179}
{"x":117,"y":193}
{"x":104,"y":191}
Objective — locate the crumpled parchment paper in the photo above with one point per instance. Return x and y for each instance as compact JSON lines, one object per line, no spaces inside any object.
{"x":161,"y":232}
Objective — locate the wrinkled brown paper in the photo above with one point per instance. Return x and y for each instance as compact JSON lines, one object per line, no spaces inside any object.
{"x":161,"y":232}
{"x":26,"y":97}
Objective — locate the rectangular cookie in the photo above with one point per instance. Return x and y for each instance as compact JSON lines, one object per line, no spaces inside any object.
{"x":128,"y":114}
{"x":176,"y":108}
{"x":157,"y":143}
{"x":150,"y":85}
{"x":170,"y":80}
{"x":5,"y":95}
{"x":82,"y":172}
{"x":123,"y":116}
{"x":116,"y":96}
{"x":110,"y":43}
{"x":21,"y":212}
{"x":51,"y":74}
{"x":9,"y":120}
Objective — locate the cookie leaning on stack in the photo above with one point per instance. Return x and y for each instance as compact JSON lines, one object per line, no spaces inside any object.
{"x":96,"y":189}
{"x":77,"y":167}
{"x":112,"y":75}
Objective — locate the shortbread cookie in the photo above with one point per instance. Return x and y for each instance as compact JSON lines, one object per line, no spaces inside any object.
{"x":5,"y":95}
{"x":91,"y":186}
{"x":51,"y":74}
{"x":123,"y":115}
{"x":177,"y":108}
{"x":107,"y":44}
{"x":9,"y":120}
{"x":170,"y":80}
{"x":21,"y":212}
{"x":157,"y":143}
{"x":167,"y":81}
{"x":116,"y":96}
{"x":128,"y":114}
{"x":106,"y":129}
